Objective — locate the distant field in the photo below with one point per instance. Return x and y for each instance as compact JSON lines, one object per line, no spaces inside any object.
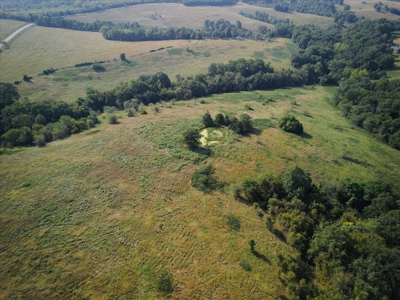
{"x":366,"y":9}
{"x":42,"y":48}
{"x":103,"y":213}
{"x":9,"y":26}
{"x":173,"y":14}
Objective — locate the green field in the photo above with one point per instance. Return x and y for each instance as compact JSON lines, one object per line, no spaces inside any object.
{"x":194,"y":17}
{"x":103,"y":213}
{"x":366,"y":9}
{"x":41,"y":48}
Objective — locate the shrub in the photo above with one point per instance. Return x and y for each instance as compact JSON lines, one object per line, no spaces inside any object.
{"x":131,"y":113}
{"x":204,"y":181}
{"x":90,"y":123}
{"x":112,"y":119}
{"x":245,"y":266}
{"x":233,"y":222}
{"x":291,"y":124}
{"x":98,"y":68}
{"x":207,"y":120}
{"x":165,"y":283}
{"x":191,"y":139}
{"x":219,"y":120}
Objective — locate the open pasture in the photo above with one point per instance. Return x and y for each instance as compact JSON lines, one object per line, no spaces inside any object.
{"x":174,"y":14}
{"x":7,"y":27}
{"x":41,"y":48}
{"x":366,"y":9}
{"x":103,"y":213}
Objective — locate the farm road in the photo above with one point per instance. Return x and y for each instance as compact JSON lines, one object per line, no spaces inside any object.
{"x":15,"y":33}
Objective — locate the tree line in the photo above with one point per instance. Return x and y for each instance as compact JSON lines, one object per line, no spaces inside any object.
{"x":220,"y":29}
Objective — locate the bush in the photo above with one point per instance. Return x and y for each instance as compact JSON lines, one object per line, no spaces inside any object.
{"x":204,"y":181}
{"x":165,"y":283}
{"x":90,"y":123}
{"x":245,"y":266}
{"x":131,"y":113}
{"x":207,"y":120}
{"x":112,"y":119}
{"x":191,"y":139}
{"x":98,"y":68}
{"x":233,"y":222}
{"x":291,"y":124}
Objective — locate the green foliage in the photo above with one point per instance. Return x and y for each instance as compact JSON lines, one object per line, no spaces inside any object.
{"x":207,"y":120}
{"x":203,"y":180}
{"x":165,"y":283}
{"x":40,"y":119}
{"x":112,"y":119}
{"x":233,"y":222}
{"x":131,"y":113}
{"x":191,"y":139}
{"x":219,"y":120}
{"x":297,"y":182}
{"x":27,"y":78}
{"x":8,"y":94}
{"x":246,"y":266}
{"x":98,"y":67}
{"x":291,"y":124}
{"x":18,"y":137}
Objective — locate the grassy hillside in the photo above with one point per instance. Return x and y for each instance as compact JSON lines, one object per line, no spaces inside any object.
{"x":194,"y":17}
{"x":366,"y":9}
{"x":9,"y":26}
{"x":102,"y":214}
{"x":42,"y":48}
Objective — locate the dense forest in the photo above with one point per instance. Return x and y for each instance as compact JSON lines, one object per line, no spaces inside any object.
{"x":345,"y":234}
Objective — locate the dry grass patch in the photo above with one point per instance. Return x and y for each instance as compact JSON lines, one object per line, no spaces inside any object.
{"x":366,"y":9}
{"x":45,"y":48}
{"x":173,"y":14}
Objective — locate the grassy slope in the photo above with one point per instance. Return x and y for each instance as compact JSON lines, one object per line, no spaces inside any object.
{"x":366,"y":9}
{"x":9,"y":26}
{"x":173,"y":14}
{"x":41,"y":48}
{"x":100,"y":214}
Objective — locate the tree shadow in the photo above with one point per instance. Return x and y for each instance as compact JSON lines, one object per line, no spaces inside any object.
{"x":204,"y":151}
{"x":242,"y":200}
{"x":261,"y":256}
{"x":306,"y":135}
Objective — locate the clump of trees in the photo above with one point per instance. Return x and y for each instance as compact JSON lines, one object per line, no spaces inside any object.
{"x":241,"y":125}
{"x":289,"y":123}
{"x":191,"y":139}
{"x":24,"y":123}
{"x":346,"y":230}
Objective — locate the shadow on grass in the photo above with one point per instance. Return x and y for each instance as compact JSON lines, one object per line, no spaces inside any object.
{"x":356,"y":161}
{"x":243,"y":200}
{"x":204,"y":151}
{"x":306,"y":135}
{"x":261,"y":256}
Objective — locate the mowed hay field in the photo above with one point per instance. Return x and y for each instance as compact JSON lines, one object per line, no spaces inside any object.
{"x":7,"y":27}
{"x":41,"y":48}
{"x":174,"y":14}
{"x":366,"y":9}
{"x":103,"y":213}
